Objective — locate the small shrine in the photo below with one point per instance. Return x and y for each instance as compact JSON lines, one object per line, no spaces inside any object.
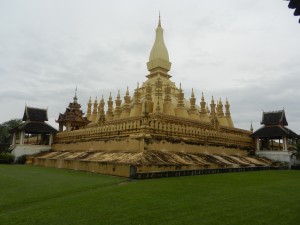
{"x":274,"y":135}
{"x":34,"y":129}
{"x":273,"y":138}
{"x":33,"y":135}
{"x":73,"y":118}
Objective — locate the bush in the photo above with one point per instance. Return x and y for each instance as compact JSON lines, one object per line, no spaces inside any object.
{"x":21,"y":159}
{"x":6,"y":158}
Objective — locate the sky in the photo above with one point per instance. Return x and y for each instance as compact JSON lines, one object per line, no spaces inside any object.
{"x":246,"y":50}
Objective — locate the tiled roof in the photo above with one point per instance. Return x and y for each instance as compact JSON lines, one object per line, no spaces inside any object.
{"x":274,"y":132}
{"x":35,"y":127}
{"x":274,"y":118}
{"x":35,"y":114}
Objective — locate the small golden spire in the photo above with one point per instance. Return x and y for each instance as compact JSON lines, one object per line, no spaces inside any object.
{"x":110,"y":98}
{"x":251,"y":127}
{"x":159,"y":22}
{"x":118,"y":96}
{"x":192,"y":95}
{"x":127,"y":91}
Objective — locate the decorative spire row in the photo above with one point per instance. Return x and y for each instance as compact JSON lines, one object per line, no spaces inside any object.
{"x":158,"y":99}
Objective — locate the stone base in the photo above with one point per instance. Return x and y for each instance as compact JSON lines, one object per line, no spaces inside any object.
{"x":281,"y":156}
{"x":20,"y":150}
{"x":128,"y":163}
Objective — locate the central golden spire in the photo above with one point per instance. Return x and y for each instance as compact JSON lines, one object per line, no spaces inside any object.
{"x":159,"y":56}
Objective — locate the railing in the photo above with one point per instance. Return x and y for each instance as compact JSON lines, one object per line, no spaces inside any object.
{"x":177,"y":173}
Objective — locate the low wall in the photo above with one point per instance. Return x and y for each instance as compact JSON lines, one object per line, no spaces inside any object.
{"x":20,"y":150}
{"x":193,"y":148}
{"x":138,"y":143}
{"x":177,"y":173}
{"x":89,"y":166}
{"x":121,"y":144}
{"x":281,"y":156}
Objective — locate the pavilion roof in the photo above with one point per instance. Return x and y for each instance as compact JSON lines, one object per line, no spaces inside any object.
{"x":35,"y":127}
{"x":274,"y":132}
{"x":274,"y":118}
{"x":35,"y":114}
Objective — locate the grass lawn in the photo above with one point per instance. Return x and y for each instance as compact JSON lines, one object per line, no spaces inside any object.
{"x":37,"y":195}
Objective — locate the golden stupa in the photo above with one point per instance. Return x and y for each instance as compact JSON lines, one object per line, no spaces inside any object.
{"x":157,"y":129}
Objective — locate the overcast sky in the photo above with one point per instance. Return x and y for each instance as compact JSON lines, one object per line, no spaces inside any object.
{"x":246,"y":50}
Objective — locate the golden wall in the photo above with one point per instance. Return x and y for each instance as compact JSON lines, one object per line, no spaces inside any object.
{"x":158,"y":132}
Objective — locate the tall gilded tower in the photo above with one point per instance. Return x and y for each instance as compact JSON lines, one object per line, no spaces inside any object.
{"x":155,"y":127}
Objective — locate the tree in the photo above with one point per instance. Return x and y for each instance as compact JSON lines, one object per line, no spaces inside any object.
{"x":6,"y":127}
{"x":297,"y":150}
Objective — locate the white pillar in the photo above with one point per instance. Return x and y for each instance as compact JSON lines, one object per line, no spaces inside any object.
{"x":284,"y":144}
{"x":50,"y":139}
{"x":257,"y":144}
{"x":22,"y":137}
{"x":14,"y":139}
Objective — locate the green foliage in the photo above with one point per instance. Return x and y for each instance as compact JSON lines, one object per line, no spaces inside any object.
{"x":21,"y":159}
{"x":6,"y":127}
{"x":297,"y":150}
{"x":33,"y":195}
{"x":6,"y":158}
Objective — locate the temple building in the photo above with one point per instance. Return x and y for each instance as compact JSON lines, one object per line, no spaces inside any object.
{"x":73,"y":118}
{"x":152,"y":128}
{"x":33,"y":135}
{"x":273,"y":138}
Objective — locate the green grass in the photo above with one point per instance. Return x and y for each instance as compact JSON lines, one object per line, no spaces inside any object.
{"x":38,"y":195}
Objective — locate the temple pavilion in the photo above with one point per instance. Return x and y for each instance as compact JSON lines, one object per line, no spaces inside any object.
{"x":158,"y":128}
{"x":34,"y":134}
{"x":273,"y":138}
{"x":73,"y":118}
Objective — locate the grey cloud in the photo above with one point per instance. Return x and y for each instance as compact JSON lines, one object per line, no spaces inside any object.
{"x":234,"y":49}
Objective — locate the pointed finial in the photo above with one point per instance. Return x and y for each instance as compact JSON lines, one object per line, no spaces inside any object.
{"x":75,"y":97}
{"x":127,"y":91}
{"x":202,"y":97}
{"x":192,"y":95}
{"x":118,"y":95}
{"x":138,"y":85}
{"x":251,"y":127}
{"x":159,"y":22}
{"x":90,"y":100}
